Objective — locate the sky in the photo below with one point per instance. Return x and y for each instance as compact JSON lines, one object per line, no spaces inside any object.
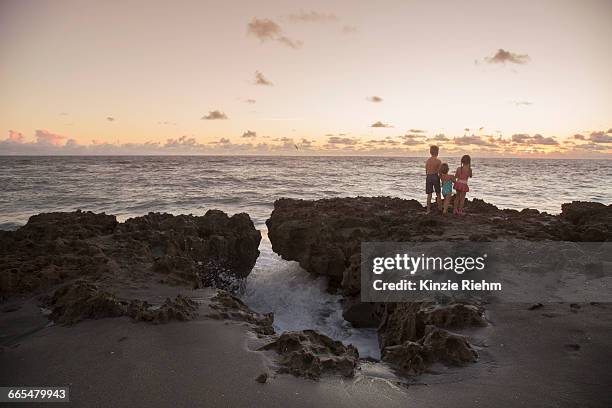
{"x":489,"y":78}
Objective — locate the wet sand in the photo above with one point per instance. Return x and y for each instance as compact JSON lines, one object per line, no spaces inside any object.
{"x":555,"y":356}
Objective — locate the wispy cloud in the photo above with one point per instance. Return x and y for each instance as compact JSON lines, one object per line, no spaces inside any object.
{"x":349,"y":29}
{"x":250,"y":101}
{"x":110,"y":118}
{"x":374,"y":98}
{"x":312,"y":17}
{"x":249,"y":134}
{"x":522,"y":103}
{"x":502,"y":56}
{"x":44,"y":136}
{"x":215,"y":115}
{"x":379,"y":124}
{"x":337,"y":140}
{"x":260,"y":79}
{"x":537,"y":139}
{"x":267,"y":30}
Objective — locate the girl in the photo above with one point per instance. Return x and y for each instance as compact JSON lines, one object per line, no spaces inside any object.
{"x":447,"y":185}
{"x":461,"y":183}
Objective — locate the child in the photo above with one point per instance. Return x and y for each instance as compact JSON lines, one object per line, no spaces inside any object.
{"x":432,"y":179}
{"x":461,"y":184}
{"x":447,"y":185}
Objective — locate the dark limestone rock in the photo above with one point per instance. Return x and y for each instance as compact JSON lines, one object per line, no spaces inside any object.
{"x":54,"y":248}
{"x":81,"y":300}
{"x":310,"y":354}
{"x":227,"y":306}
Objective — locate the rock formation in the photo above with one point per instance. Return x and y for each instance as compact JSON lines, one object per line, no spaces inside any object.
{"x":310,"y":354}
{"x":227,"y":306}
{"x":196,"y":250}
{"x":81,"y":300}
{"x":325,"y":237}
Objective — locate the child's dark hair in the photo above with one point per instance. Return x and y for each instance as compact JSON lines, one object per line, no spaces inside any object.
{"x":466,"y":159}
{"x":444,"y":168}
{"x":433,"y":150}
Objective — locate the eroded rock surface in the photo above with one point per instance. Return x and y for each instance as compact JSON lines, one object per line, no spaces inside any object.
{"x":194,"y":250}
{"x":81,"y":300}
{"x":325,"y":237}
{"x":227,"y":306}
{"x":310,"y":354}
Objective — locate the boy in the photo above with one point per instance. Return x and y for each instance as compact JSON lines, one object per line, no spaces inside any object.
{"x":432,"y":177}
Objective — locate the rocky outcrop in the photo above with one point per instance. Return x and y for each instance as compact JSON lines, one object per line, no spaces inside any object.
{"x":227,"y":306}
{"x":437,"y":345}
{"x":310,"y":354}
{"x":81,"y":300}
{"x":325,"y":237}
{"x":209,"y":250}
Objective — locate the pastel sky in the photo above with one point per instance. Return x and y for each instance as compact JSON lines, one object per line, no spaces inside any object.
{"x":319,"y":77}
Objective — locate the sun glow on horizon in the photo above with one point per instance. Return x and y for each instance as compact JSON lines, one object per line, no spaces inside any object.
{"x":329,"y":78}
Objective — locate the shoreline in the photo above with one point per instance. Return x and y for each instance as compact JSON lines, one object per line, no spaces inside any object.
{"x":221,"y":344}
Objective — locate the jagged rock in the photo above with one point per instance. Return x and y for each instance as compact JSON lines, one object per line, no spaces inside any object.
{"x":325,"y":236}
{"x":181,"y":309}
{"x":438,"y":345}
{"x":454,"y":316}
{"x":310,"y":354}
{"x":589,"y":222}
{"x":229,"y":307}
{"x":362,"y":314}
{"x":56,"y":247}
{"x":82,"y":300}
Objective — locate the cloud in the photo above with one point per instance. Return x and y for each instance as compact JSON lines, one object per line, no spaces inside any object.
{"x":502,"y":56}
{"x":348,"y":29}
{"x":439,"y":138}
{"x":215,"y":115}
{"x":379,"y":124}
{"x":417,"y":131}
{"x":600,"y":137}
{"x":537,"y":139}
{"x":250,"y":101}
{"x":267,"y":30}
{"x":383,"y":142}
{"x":474,"y":140}
{"x":15,"y":137}
{"x":312,"y":17}
{"x":343,"y":141}
{"x":43,"y":136}
{"x":249,"y":134}
{"x":522,"y":103}
{"x":110,"y":118}
{"x":374,"y":99}
{"x":260,"y":79}
{"x":578,"y":136}
{"x":182,"y":141}
{"x":412,"y":139}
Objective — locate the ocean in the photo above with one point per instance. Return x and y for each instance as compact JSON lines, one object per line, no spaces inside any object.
{"x":129,"y":186}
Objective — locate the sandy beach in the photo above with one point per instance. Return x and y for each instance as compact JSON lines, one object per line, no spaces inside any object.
{"x":553,"y":356}
{"x":121,"y":336}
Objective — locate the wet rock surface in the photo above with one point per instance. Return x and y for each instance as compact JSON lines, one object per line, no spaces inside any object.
{"x":227,"y":306}
{"x":310,"y":354}
{"x":81,"y":300}
{"x":325,"y":237}
{"x":190,"y":250}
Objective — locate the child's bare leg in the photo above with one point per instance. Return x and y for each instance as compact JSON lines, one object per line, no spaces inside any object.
{"x":428,"y":202}
{"x":438,"y":201}
{"x":462,"y":200}
{"x":456,"y":202}
{"x":446,"y":201}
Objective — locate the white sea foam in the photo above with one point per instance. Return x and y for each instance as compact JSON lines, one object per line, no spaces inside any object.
{"x":300,"y":301}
